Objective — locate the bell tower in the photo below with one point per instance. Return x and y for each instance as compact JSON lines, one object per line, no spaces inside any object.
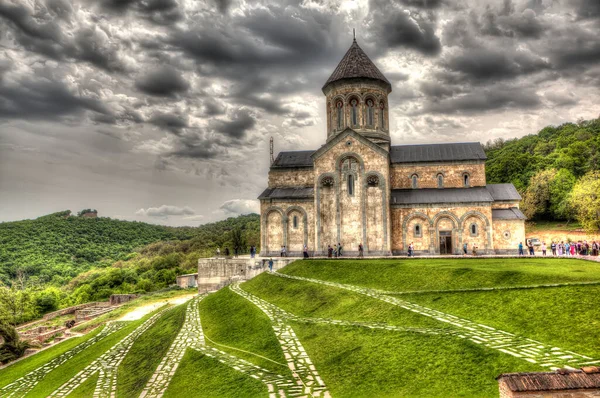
{"x":357,"y":98}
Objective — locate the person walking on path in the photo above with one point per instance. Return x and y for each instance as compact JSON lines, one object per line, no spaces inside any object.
{"x":305,"y":251}
{"x":411,"y":250}
{"x":520,"y":248}
{"x":553,"y":248}
{"x":361,"y":250}
{"x":531,"y":249}
{"x":226,"y":252}
{"x":465,"y":249}
{"x":339,"y":250}
{"x":218,"y":252}
{"x":271,"y":264}
{"x":543,"y":248}
{"x":329,"y":251}
{"x":573,"y":249}
{"x":474,"y":249}
{"x":595,"y":248}
{"x":560,"y":248}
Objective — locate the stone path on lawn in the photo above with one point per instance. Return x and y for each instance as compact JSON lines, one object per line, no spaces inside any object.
{"x":491,"y":289}
{"x":297,"y":359}
{"x":107,"y":365}
{"x":23,"y":385}
{"x":192,"y":336}
{"x":518,"y":346}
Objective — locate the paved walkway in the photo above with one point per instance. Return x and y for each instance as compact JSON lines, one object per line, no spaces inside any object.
{"x":192,"y":336}
{"x":521,"y":347}
{"x":24,"y":384}
{"x":106,"y":365}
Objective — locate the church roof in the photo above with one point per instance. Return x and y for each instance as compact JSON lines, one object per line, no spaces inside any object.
{"x":288,"y":193}
{"x":437,"y":152}
{"x":437,"y":195}
{"x":356,"y":64}
{"x":508,"y":214}
{"x":504,"y":192}
{"x":293,"y":159}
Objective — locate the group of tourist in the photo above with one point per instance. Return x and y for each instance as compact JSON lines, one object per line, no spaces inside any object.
{"x":564,"y":249}
{"x":335,"y":251}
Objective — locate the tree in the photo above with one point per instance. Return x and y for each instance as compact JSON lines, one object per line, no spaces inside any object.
{"x":585,"y":201}
{"x":560,"y":188}
{"x":13,"y":347}
{"x":237,"y":239}
{"x":536,"y":200}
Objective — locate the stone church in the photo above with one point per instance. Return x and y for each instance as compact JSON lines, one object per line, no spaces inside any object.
{"x":358,"y":188}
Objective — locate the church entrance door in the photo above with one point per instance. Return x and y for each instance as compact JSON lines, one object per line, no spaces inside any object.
{"x":445,"y":242}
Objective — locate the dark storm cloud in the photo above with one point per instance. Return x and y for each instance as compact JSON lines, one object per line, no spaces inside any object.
{"x":396,"y":27}
{"x":40,"y":98}
{"x":575,"y":47}
{"x":487,"y":64}
{"x":214,"y":107}
{"x":587,"y":8}
{"x":168,"y":121}
{"x":510,"y":23}
{"x":223,"y":5}
{"x":423,"y":3}
{"x":241,"y":122}
{"x":165,"y":81}
{"x":483,"y":100}
{"x":42,"y":33}
{"x":161,"y":12}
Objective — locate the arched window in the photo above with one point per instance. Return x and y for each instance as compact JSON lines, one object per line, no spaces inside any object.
{"x":473,"y":229}
{"x":466,"y":179}
{"x":418,"y":231}
{"x":440,"y":180}
{"x":340,"y":114}
{"x":381,"y":117}
{"x":354,"y":104}
{"x":370,"y":113}
{"x":415,"y":181}
{"x":350,"y":184}
{"x":295,"y":222}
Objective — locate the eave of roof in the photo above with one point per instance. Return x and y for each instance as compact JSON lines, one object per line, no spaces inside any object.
{"x":440,"y":195}
{"x":288,"y":193}
{"x":458,"y":151}
{"x":512,"y":213}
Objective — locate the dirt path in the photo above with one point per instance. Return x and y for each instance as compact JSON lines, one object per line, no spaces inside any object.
{"x":144,"y":310}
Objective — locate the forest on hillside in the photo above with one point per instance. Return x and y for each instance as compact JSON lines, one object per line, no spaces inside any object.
{"x":556,"y":171}
{"x":56,"y":261}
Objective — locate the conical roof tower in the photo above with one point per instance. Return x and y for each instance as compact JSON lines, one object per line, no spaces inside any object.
{"x":357,"y":98}
{"x":356,"y":65}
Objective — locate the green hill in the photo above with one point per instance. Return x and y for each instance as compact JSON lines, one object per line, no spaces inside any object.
{"x":59,"y":260}
{"x":548,"y":169}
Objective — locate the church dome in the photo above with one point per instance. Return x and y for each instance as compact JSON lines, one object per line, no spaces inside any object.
{"x":357,"y":65}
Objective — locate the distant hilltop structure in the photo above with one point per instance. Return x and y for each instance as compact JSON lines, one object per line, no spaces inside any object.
{"x":88,"y":213}
{"x":361,"y":192}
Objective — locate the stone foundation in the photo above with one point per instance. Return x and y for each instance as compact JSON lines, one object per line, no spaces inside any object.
{"x":214,"y":273}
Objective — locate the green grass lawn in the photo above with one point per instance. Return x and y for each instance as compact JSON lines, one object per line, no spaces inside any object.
{"x":201,"y":376}
{"x":567,"y":317}
{"x":231,"y":320}
{"x":436,"y":274}
{"x":146,"y":353}
{"x":355,"y":362}
{"x":21,"y":368}
{"x":317,"y":301}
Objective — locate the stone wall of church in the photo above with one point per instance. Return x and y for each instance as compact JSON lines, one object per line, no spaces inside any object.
{"x":278,"y":228}
{"x":291,"y":178}
{"x":401,"y":175}
{"x":507,"y":235}
{"x":452,"y":219}
{"x":360,"y":217}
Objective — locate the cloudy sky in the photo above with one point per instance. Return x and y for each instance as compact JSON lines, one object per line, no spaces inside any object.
{"x":161,"y":110}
